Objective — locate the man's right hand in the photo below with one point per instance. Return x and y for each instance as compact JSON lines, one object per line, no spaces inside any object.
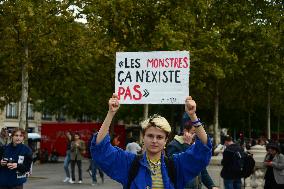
{"x":113,"y":106}
{"x":113,"y":103}
{"x":3,"y":162}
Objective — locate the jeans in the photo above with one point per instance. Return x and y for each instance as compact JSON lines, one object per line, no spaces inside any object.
{"x":79,"y":165}
{"x":66,"y":163}
{"x":12,"y":187}
{"x":232,"y":183}
{"x":94,"y":167}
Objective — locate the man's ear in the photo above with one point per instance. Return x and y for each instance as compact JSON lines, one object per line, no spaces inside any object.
{"x":166,"y":140}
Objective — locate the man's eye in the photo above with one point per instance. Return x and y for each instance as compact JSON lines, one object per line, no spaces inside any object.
{"x":160,"y":137}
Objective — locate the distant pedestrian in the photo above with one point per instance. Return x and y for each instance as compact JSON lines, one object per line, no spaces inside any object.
{"x":44,"y":155}
{"x":77,"y":150}
{"x":54,"y":156}
{"x":67,"y":159}
{"x":93,"y":165}
{"x":274,"y":162}
{"x":4,"y":137}
{"x":133,"y":147}
{"x":115,"y":140}
{"x":15,"y":162}
{"x":231,"y":171}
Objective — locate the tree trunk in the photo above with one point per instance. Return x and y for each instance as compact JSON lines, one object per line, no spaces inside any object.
{"x":24,"y":95}
{"x":216,"y":116}
{"x":268,"y":114}
{"x":146,"y":111}
{"x":249,"y":124}
{"x":278,"y":126}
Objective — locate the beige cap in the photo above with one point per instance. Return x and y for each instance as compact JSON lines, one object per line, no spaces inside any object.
{"x":158,"y":121}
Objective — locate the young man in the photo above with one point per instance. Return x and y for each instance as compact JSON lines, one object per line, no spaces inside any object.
{"x":77,"y":151}
{"x":231,"y":171}
{"x":152,"y":173}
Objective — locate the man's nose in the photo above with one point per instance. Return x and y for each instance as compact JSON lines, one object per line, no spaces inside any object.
{"x":154,"y":139}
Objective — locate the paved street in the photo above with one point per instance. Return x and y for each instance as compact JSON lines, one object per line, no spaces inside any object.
{"x":50,"y":175}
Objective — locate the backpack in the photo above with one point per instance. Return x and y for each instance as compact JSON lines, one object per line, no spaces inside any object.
{"x":243,"y":164}
{"x":133,"y":171}
{"x":248,"y":165}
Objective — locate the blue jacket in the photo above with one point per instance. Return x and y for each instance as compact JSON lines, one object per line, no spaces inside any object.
{"x":116,"y":163}
{"x":20,"y":154}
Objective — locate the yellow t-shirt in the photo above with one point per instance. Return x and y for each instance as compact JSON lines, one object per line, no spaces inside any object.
{"x":156,"y":174}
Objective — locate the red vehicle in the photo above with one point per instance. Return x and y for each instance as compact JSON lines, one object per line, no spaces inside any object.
{"x":53,"y":134}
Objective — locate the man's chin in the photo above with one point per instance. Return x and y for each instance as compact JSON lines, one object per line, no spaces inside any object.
{"x":154,"y":151}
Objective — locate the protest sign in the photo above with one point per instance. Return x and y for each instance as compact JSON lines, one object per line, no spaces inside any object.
{"x":157,"y":77}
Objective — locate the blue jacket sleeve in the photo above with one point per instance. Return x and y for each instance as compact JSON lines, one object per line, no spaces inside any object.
{"x":191,"y":162}
{"x":114,"y":161}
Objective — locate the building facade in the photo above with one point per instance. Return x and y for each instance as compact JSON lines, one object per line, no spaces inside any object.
{"x":10,"y":117}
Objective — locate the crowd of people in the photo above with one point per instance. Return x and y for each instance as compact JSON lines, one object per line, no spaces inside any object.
{"x":156,"y":163}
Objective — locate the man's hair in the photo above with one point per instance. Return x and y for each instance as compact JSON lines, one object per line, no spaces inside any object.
{"x":4,"y":130}
{"x":273,"y":146}
{"x":228,"y":138}
{"x":23,"y":132}
{"x":77,"y":133}
{"x":156,"y":121}
{"x":185,"y":123}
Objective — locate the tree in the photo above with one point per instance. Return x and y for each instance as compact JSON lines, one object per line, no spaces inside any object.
{"x":24,"y":25}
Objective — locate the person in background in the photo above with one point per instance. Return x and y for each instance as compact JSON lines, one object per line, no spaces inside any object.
{"x":152,"y":171}
{"x":44,"y":155}
{"x":231,"y":175}
{"x":115,"y":140}
{"x":274,"y":163}
{"x":4,"y":137}
{"x":36,"y":156}
{"x":77,"y":150}
{"x":16,"y":162}
{"x":54,"y":156}
{"x":181,"y":143}
{"x":67,"y":159}
{"x":133,"y":147}
{"x":262,"y":141}
{"x":93,"y":165}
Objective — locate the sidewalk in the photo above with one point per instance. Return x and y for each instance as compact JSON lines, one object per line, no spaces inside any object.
{"x":50,"y":175}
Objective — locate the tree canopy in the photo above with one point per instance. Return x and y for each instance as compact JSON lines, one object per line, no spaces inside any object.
{"x":236,"y":51}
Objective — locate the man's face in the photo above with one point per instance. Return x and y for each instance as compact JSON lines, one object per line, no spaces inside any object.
{"x":155,"y":140}
{"x":4,"y":132}
{"x":76,"y":137}
{"x":18,"y":137}
{"x":271,"y":151}
{"x":188,"y":135}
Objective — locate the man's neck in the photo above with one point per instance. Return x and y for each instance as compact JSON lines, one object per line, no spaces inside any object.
{"x":153,"y":156}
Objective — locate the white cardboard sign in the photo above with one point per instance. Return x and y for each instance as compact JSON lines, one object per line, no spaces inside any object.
{"x":157,"y":77}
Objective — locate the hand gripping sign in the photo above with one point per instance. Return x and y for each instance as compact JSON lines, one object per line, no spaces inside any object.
{"x":158,"y":77}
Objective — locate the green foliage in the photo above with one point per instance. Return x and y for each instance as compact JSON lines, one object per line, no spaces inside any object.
{"x":235,"y":47}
